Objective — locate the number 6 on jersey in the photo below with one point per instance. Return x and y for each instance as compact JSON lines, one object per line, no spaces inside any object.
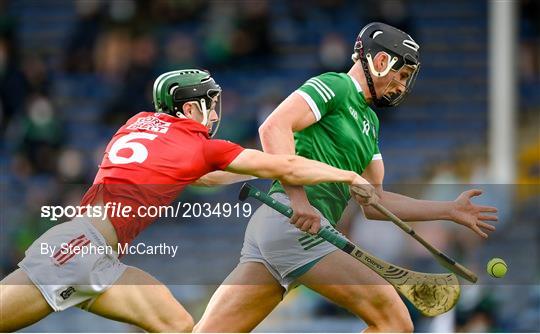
{"x":139,"y":151}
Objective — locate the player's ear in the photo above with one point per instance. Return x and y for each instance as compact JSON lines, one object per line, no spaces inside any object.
{"x":187,"y":109}
{"x":381,"y":61}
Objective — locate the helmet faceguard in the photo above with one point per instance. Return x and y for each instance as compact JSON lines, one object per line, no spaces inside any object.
{"x":207,"y":96}
{"x":403,"y":63}
{"x":394,"y":93}
{"x":173,"y":89}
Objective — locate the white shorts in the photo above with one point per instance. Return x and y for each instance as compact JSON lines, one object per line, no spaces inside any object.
{"x":67,"y":277}
{"x":270,"y":239}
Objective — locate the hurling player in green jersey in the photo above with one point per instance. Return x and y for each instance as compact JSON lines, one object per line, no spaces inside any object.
{"x":329,"y":119}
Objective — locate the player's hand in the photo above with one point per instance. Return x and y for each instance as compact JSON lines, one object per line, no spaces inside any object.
{"x":471,"y":215}
{"x":305,"y":217}
{"x":363,"y":192}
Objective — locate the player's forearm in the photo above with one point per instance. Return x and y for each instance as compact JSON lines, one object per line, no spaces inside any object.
{"x":218,"y":178}
{"x":303,"y":171}
{"x":410,"y":209}
{"x":290,"y":169}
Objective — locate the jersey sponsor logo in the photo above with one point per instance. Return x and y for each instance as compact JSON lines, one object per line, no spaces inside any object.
{"x":353,"y":113}
{"x":150,"y":123}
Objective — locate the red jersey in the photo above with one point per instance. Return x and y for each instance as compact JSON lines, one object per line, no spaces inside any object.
{"x":149,"y":161}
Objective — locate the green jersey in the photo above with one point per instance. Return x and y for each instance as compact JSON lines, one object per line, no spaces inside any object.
{"x":345,"y":136}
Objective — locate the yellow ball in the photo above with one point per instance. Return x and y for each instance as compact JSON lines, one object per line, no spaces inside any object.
{"x":496,"y":267}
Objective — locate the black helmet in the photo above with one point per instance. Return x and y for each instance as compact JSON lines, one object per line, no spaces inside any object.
{"x":403,"y":52}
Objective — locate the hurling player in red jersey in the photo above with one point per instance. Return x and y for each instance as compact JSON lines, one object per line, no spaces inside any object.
{"x":148,"y":162}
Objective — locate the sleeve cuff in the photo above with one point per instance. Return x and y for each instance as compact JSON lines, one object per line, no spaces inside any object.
{"x":377,"y":156}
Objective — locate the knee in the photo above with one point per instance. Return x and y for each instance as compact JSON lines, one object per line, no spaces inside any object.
{"x":181,"y":324}
{"x":395,"y":323}
{"x":408,"y":327}
{"x":204,"y":326}
{"x":402,"y":324}
{"x":185,"y":325}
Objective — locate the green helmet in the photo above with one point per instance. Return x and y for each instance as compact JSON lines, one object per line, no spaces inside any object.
{"x":173,"y":89}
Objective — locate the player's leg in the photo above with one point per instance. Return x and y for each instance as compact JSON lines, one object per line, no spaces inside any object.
{"x":353,"y":286}
{"x":242,"y":301}
{"x":140,"y":299}
{"x":21,"y":302}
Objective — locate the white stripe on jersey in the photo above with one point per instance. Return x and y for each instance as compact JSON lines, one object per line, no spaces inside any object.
{"x":325,"y":86}
{"x":314,"y":109}
{"x":313,"y":82}
{"x":318,"y":91}
{"x":377,"y":156}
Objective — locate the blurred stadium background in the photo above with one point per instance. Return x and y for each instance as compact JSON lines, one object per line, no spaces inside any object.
{"x":71,"y":72}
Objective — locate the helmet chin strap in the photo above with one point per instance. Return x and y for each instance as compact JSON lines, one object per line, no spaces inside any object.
{"x":202,"y":107}
{"x":206,"y":119}
{"x":202,"y":104}
{"x":361,"y":57}
{"x":368,"y":68}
